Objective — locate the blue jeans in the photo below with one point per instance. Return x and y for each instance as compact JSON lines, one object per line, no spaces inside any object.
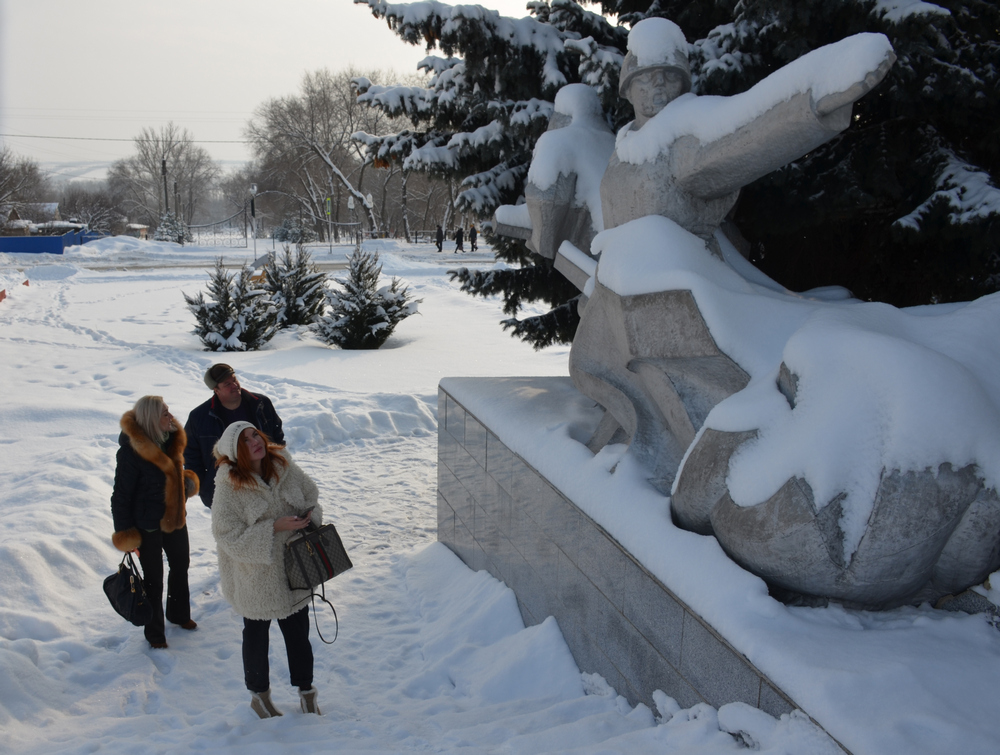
{"x":295,"y":630}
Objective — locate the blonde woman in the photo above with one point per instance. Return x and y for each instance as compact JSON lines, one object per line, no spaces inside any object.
{"x":148,"y":505}
{"x":261,"y":499}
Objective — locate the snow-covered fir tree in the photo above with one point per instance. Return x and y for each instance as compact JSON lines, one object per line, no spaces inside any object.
{"x":172,"y":228}
{"x":903,"y":207}
{"x":480,"y":116}
{"x":293,"y":231}
{"x":362,"y":315}
{"x":237,"y":314}
{"x":297,"y":288}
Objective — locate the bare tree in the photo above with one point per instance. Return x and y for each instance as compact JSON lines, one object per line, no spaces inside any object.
{"x":303,"y":143}
{"x":92,"y":204}
{"x":139,"y":180}
{"x":21,"y":180}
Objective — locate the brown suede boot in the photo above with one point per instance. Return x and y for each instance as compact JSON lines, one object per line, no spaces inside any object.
{"x":260,"y":703}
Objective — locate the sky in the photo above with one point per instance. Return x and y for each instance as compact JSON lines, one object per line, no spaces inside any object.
{"x":105,"y":69}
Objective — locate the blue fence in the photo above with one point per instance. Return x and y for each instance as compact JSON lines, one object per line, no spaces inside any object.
{"x":45,"y":244}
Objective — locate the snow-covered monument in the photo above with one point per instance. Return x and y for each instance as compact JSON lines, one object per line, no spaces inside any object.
{"x":821,"y":462}
{"x":839,"y":450}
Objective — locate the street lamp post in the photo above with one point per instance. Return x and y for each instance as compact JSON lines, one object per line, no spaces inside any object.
{"x":329,"y":222}
{"x":350,"y":206}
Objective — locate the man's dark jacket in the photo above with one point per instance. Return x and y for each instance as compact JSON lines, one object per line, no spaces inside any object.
{"x":204,"y":428}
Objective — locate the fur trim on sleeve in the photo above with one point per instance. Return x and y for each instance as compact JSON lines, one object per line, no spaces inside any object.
{"x":127,"y":540}
{"x":192,"y":485}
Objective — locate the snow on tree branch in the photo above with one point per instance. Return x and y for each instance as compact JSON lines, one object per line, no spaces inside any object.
{"x":968,"y":192}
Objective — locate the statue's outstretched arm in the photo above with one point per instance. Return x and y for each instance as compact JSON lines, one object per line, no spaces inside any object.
{"x":832,"y":102}
{"x":784,"y":133}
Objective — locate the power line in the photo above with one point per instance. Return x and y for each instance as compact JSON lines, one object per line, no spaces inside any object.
{"x":106,"y":139}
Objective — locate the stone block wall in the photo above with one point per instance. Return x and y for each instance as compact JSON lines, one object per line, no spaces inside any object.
{"x":499,"y":514}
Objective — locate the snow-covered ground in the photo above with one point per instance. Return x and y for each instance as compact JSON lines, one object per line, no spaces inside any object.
{"x":430,"y":657}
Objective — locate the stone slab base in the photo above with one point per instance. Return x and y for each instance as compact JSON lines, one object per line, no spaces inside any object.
{"x":499,"y":514}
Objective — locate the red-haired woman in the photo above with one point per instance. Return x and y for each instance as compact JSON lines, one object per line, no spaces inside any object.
{"x":261,"y":498}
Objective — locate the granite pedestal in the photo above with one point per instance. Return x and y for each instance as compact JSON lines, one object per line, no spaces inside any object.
{"x":497,"y":513}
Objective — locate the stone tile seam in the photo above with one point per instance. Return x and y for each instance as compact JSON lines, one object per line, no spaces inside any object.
{"x":473,"y":497}
{"x":486,"y":429}
{"x":680,"y":674}
{"x":761,"y":677}
{"x":762,"y":680}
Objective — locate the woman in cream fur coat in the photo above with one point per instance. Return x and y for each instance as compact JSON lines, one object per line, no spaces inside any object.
{"x":262,"y":498}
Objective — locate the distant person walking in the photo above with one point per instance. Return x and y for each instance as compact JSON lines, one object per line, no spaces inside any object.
{"x":472,"y":238}
{"x":458,"y":241}
{"x":148,"y":506}
{"x":229,"y":403}
{"x":440,"y":239}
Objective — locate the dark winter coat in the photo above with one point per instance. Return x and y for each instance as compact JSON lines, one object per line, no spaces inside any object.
{"x":458,"y":236}
{"x":149,"y":484}
{"x":204,"y":428}
{"x":439,"y":236}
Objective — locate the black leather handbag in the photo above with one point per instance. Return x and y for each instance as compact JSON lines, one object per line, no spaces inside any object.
{"x":124,"y":590}
{"x":312,"y":558}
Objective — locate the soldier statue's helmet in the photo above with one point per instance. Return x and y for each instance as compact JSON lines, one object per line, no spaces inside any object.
{"x":655,"y":44}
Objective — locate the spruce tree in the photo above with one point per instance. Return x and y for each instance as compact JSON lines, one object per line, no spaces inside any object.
{"x":293,"y":231}
{"x":172,"y":228}
{"x":296,"y":287}
{"x":363,"y":315}
{"x":902,"y":207}
{"x":480,"y":116}
{"x":237,"y":315}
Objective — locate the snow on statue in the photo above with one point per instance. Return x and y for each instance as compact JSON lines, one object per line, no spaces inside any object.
{"x":796,"y":428}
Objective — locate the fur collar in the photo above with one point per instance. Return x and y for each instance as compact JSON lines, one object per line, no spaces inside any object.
{"x":169,"y":461}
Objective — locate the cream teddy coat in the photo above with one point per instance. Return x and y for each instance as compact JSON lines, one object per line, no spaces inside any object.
{"x":251,"y":553}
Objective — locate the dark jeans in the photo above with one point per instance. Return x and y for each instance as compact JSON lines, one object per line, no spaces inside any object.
{"x":175,"y":546}
{"x":295,"y":630}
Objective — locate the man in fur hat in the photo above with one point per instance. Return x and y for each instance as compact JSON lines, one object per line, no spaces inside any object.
{"x":229,"y":403}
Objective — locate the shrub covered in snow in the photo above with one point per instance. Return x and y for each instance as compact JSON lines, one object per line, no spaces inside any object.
{"x":297,"y":288}
{"x":292,"y":231}
{"x":172,"y":228}
{"x":362,"y":315}
{"x":237,"y":315}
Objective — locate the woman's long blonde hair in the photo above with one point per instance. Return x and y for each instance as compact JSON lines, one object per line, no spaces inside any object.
{"x":147,"y":415}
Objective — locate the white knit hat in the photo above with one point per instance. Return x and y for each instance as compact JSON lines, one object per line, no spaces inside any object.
{"x":230,"y":440}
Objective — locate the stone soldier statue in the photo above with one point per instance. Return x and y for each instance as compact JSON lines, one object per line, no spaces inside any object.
{"x":633,"y":354}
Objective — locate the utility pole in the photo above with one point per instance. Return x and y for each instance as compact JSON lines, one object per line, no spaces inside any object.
{"x":166,"y":196}
{"x":253,"y":217}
